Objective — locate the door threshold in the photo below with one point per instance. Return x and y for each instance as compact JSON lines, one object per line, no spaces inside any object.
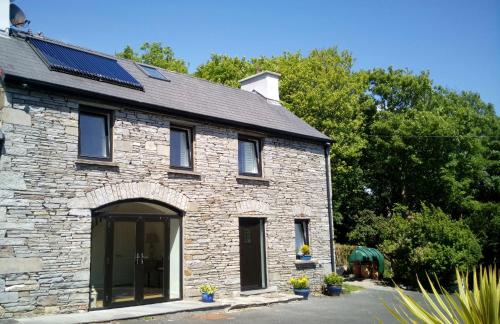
{"x":261,"y":291}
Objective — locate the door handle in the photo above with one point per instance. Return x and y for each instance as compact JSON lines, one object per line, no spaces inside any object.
{"x":137,"y":258}
{"x":142,"y":257}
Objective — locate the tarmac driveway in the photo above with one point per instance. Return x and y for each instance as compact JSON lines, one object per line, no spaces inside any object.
{"x":366,"y":306}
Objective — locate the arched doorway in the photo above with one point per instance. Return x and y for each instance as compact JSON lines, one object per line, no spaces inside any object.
{"x":136,"y":254}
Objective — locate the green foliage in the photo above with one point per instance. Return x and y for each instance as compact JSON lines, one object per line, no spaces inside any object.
{"x":225,"y":70}
{"x":397,"y":139}
{"x":342,"y":253}
{"x":333,"y":279}
{"x":347,"y":288}
{"x":321,"y":89}
{"x":157,"y":55}
{"x":300,"y":282}
{"x":207,"y":289}
{"x":367,"y":229}
{"x":427,"y":242}
{"x":479,"y":305}
{"x":305,"y":249}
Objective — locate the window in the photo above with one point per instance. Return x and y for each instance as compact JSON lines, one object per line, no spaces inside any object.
{"x":94,"y":134}
{"x":301,"y":233}
{"x":181,"y":151}
{"x":153,"y":72}
{"x":249,"y":156}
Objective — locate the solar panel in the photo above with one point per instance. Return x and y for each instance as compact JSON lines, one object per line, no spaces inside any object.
{"x":84,"y":64}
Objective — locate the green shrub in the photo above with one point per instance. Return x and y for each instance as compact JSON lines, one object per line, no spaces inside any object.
{"x":333,"y":279}
{"x":342,"y":253}
{"x":300,"y":282}
{"x":208,"y":289}
{"x":366,"y":232}
{"x":427,"y":242}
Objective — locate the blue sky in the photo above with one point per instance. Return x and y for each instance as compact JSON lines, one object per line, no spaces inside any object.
{"x":457,"y":41}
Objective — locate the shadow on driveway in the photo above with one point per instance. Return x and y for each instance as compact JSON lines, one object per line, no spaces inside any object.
{"x":366,"y":306}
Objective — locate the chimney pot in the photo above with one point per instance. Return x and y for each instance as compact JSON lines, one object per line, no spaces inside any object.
{"x":265,"y":83}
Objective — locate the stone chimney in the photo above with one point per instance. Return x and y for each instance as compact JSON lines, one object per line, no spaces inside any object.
{"x":266,"y":83}
{"x":4,"y":17}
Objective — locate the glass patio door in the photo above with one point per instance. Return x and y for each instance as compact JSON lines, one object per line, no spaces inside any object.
{"x":144,"y":260}
{"x":135,"y":259}
{"x":153,"y":264}
{"x":125,"y":262}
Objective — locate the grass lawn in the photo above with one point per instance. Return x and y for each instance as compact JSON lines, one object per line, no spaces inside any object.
{"x":347,"y":288}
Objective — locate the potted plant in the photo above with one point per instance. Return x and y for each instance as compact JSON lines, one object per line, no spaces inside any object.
{"x":333,"y":284}
{"x":305,"y":252}
{"x":300,"y":286}
{"x":207,"y":292}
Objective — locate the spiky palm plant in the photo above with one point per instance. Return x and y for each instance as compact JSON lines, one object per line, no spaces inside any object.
{"x":479,"y":305}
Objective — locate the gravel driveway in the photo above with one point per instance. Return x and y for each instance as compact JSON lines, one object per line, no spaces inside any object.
{"x":364,"y":306}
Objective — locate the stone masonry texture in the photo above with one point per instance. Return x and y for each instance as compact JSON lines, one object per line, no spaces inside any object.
{"x":47,"y":198}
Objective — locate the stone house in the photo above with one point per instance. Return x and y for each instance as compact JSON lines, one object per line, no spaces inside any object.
{"x":124,"y":184}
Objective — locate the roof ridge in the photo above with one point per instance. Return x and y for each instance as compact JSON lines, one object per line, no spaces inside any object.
{"x":61,"y":43}
{"x":88,"y":50}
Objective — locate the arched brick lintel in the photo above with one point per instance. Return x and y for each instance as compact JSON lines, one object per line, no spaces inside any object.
{"x":252,"y":206}
{"x":133,"y":190}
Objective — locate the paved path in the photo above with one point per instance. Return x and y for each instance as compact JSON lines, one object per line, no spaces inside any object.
{"x":364,"y":306}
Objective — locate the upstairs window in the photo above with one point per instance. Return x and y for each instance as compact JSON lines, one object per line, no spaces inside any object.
{"x":301,"y":233}
{"x":249,"y":156}
{"x":181,"y":151}
{"x":94,"y":131}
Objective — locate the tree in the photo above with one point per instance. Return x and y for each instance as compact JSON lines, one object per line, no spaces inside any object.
{"x":157,"y":55}
{"x":397,"y":139}
{"x":225,"y":70}
{"x":321,"y":89}
{"x":428,"y":242}
{"x":431,"y":145}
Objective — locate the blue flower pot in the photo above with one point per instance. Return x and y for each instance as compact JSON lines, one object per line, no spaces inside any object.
{"x":302,"y":292}
{"x":305,"y":257}
{"x":334,"y":290}
{"x":207,"y":298}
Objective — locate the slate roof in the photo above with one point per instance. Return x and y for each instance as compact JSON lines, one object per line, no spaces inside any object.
{"x":183,"y":95}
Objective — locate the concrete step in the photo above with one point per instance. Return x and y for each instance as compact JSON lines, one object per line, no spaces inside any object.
{"x":259,"y":300}
{"x":268,"y":290}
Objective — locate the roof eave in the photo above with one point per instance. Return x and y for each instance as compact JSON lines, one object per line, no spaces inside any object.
{"x":161,"y":109}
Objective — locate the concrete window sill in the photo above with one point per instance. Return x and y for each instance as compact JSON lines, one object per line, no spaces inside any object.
{"x":190,"y":173}
{"x":313,"y":261}
{"x":97,"y":162}
{"x":242,"y":178}
{"x":306,"y":264}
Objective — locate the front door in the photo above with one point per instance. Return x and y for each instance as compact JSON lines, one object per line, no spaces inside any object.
{"x":137,"y":262}
{"x":252,"y":253}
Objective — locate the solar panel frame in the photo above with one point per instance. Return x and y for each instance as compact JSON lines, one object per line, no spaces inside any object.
{"x":73,"y":61}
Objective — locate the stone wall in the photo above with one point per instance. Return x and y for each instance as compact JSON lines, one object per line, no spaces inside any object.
{"x":46,"y":198}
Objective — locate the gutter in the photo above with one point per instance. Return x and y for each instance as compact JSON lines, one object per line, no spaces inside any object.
{"x":328,"y":172}
{"x":159,"y":109}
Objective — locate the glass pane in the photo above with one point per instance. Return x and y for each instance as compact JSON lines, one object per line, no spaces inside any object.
{"x":152,"y":72}
{"x":93,"y":136}
{"x":179,"y":148}
{"x":154,"y":252}
{"x":175,"y":259}
{"x":262,"y":254}
{"x":247,"y":157}
{"x":97,"y":268}
{"x":124,"y":256}
{"x":299,"y":236}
